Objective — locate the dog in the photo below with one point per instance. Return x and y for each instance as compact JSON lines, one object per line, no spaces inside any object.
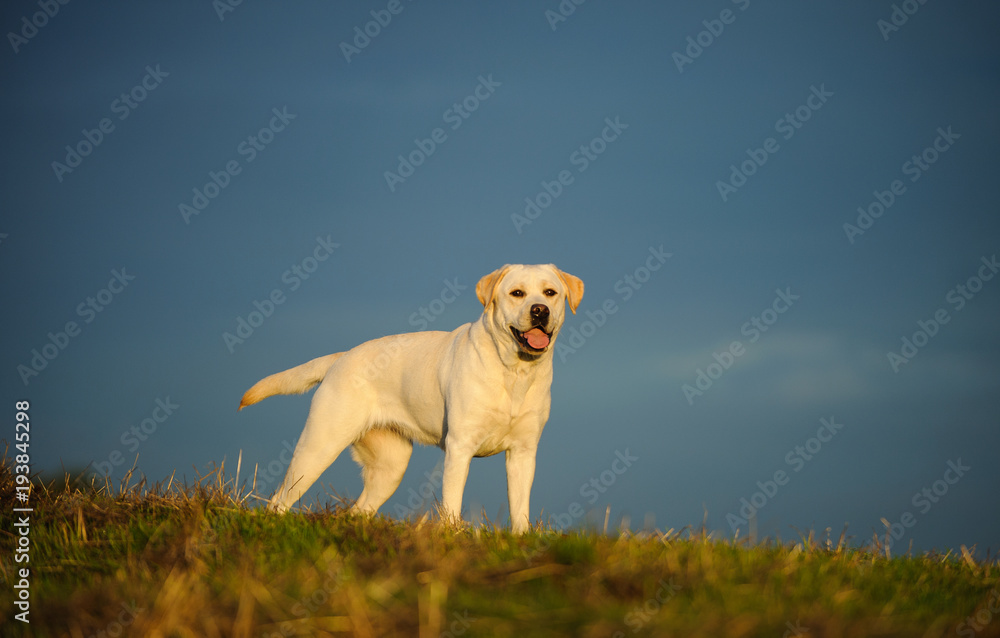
{"x":481,"y":389}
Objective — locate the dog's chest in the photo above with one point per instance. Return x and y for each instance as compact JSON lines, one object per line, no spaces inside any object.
{"x":503,"y":436}
{"x":517,"y":416}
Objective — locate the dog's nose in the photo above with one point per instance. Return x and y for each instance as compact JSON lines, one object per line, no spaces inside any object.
{"x":539,"y":314}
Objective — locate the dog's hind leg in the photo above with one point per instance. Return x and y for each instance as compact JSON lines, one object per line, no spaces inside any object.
{"x":383,"y":456}
{"x":332,"y":425}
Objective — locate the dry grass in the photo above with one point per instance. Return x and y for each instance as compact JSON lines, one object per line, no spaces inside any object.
{"x":204,"y":560}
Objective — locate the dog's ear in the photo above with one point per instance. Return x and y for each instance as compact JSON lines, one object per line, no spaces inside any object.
{"x":487,"y":286}
{"x":574,"y":289}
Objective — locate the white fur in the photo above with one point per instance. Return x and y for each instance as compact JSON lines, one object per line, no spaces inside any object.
{"x":474,"y":391}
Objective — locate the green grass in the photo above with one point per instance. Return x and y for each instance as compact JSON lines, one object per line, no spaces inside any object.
{"x":198,"y":560}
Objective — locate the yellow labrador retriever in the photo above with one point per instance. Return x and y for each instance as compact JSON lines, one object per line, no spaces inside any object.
{"x":478,"y":390}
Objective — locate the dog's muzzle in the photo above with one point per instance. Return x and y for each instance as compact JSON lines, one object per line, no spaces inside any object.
{"x":536,"y":339}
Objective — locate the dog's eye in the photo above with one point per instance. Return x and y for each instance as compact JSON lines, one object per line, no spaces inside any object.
{"x":550,"y":292}
{"x":516,"y":293}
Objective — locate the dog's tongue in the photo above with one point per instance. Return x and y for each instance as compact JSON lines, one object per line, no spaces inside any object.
{"x":536,"y":338}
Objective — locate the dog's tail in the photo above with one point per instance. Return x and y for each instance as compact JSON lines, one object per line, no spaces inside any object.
{"x":292,"y":381}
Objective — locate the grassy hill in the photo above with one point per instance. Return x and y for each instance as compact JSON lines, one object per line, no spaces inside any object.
{"x":200,"y":561}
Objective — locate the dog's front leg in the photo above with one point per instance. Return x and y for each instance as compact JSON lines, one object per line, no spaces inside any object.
{"x":457,"y":459}
{"x":520,"y":474}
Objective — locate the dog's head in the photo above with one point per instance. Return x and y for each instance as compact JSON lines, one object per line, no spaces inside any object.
{"x":525,"y":304}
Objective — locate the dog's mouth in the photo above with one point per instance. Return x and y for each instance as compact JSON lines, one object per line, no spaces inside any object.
{"x":534,"y":340}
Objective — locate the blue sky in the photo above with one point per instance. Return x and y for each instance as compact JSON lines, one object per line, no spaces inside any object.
{"x":748,"y":336}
